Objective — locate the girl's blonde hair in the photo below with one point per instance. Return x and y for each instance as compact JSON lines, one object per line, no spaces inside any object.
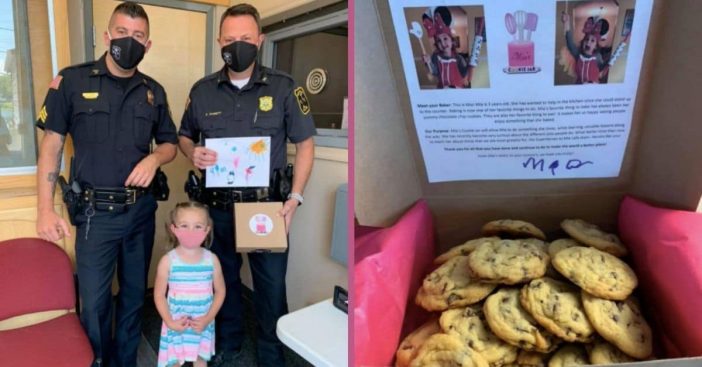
{"x":189,"y":205}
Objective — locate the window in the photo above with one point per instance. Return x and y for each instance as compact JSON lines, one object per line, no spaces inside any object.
{"x":17,"y":133}
{"x":314,"y":50}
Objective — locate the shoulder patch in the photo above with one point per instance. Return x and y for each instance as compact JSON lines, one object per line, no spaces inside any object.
{"x":56,"y":82}
{"x":302,"y":100}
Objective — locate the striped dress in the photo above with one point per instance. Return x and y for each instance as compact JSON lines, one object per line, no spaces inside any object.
{"x":189,"y":294}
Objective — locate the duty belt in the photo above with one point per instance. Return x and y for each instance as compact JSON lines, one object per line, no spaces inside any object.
{"x":225,"y":198}
{"x":112,"y":199}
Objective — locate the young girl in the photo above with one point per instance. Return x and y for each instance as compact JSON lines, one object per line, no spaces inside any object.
{"x":446,"y":64}
{"x":190,"y":273}
{"x":589,"y":64}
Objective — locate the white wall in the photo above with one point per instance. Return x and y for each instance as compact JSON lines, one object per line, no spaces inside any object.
{"x":312,"y":273}
{"x":272,"y":11}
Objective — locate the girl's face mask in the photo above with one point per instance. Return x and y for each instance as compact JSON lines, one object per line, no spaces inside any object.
{"x":189,"y":238}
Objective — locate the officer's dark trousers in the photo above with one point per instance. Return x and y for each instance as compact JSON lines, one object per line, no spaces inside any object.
{"x":270,"y":301}
{"x":123,"y":240}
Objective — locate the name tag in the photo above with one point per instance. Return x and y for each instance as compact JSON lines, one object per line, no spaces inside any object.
{"x":90,"y":95}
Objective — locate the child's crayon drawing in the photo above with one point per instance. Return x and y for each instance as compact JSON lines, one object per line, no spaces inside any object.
{"x":241,"y":162}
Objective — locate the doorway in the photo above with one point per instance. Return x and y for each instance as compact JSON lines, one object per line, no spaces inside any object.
{"x":180,"y":55}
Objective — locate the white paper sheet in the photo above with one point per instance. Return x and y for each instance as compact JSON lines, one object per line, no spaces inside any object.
{"x":519,"y":111}
{"x":241,"y":162}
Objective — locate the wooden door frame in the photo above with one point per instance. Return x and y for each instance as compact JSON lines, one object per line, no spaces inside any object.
{"x":204,"y":6}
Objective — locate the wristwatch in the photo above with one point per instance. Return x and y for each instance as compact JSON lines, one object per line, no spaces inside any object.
{"x":297,"y":196}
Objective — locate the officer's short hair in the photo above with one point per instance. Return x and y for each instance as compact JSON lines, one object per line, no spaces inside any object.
{"x":132,"y":10}
{"x":241,"y":9}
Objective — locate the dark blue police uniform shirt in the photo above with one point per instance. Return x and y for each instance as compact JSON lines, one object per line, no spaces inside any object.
{"x":270,"y":104}
{"x":112,"y":128}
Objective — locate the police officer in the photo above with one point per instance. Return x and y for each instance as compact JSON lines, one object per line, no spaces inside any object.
{"x":112,"y":112}
{"x":246,"y":99}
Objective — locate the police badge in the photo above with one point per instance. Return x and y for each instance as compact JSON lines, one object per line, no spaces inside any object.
{"x":265,"y":103}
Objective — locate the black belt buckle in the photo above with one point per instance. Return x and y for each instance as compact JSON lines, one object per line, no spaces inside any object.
{"x":262,"y":194}
{"x":131,"y":196}
{"x":249,"y":195}
{"x":110,"y":195}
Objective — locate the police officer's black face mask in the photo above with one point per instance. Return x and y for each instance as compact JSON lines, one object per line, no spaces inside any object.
{"x":239,"y":55}
{"x":127,"y":52}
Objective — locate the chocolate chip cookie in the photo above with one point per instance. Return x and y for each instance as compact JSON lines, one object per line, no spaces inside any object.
{"x":603,"y":352}
{"x":513,"y":324}
{"x":558,"y":308}
{"x":620,"y":323}
{"x":463,"y":250}
{"x":592,"y":235}
{"x":597,"y":272}
{"x":447,"y":350}
{"x":531,"y":359}
{"x":561,"y":244}
{"x":410,"y":345}
{"x":470,"y":326}
{"x":569,"y":355}
{"x":451,"y":285}
{"x":512,"y":228}
{"x":509,"y":261}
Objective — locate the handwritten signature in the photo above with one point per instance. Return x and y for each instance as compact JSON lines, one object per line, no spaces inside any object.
{"x":539,"y":164}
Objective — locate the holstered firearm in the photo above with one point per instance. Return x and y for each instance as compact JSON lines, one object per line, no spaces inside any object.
{"x":193,"y":187}
{"x":71,"y":194}
{"x":159,"y":186}
{"x":281,"y":183}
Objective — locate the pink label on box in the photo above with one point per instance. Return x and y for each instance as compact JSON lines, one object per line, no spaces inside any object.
{"x":521,"y":53}
{"x":261,"y":225}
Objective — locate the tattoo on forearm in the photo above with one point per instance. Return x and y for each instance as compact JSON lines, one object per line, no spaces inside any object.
{"x":52,"y":177}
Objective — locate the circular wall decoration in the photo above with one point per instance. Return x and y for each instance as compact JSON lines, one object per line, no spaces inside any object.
{"x":316,"y":80}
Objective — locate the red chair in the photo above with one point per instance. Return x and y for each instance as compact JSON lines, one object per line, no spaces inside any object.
{"x":38,"y":323}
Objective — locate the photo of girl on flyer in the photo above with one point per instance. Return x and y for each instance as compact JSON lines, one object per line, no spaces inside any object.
{"x":586,"y":34}
{"x":443,"y":55}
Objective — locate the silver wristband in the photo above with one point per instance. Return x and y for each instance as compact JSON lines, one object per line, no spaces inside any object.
{"x":297,"y":196}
